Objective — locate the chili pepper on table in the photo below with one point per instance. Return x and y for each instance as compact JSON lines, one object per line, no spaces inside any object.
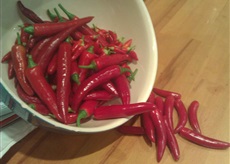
{"x":63,"y":79}
{"x":161,"y":139}
{"x":18,"y":56}
{"x":182,"y":114}
{"x":29,"y":13}
{"x":147,"y":124}
{"x":86,"y":110}
{"x":130,"y":130}
{"x":160,"y":104}
{"x":202,"y":140}
{"x":25,"y":97}
{"x":105,"y":61}
{"x":42,"y":88}
{"x":122,"y":110}
{"x":40,"y":108}
{"x":48,"y":29}
{"x":165,"y":93}
{"x":94,"y":81}
{"x":168,"y":110}
{"x":123,"y":88}
{"x":192,"y":116}
{"x":171,"y":141}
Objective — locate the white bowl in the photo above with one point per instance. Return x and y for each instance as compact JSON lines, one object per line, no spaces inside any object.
{"x":128,"y":18}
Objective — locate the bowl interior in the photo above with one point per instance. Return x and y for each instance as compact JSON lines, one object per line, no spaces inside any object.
{"x":129,"y":19}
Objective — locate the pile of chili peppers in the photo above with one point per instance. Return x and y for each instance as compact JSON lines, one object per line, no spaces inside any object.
{"x":67,"y":70}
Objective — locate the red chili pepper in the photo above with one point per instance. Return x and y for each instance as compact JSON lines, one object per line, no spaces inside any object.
{"x":133,"y":55}
{"x":165,"y":93}
{"x":86,"y":57}
{"x":93,"y":81}
{"x":29,"y":13}
{"x":25,"y":97}
{"x":203,"y":140}
{"x":24,"y":36}
{"x":18,"y":56}
{"x":51,"y":46}
{"x":40,"y":108}
{"x":161,"y":139}
{"x":124,"y":110}
{"x":48,"y":29}
{"x":172,"y":141}
{"x":11,"y":72}
{"x":86,"y":110}
{"x":192,"y":116}
{"x":151,"y":97}
{"x":75,"y":72}
{"x":52,"y":67}
{"x":147,"y":124}
{"x":159,"y":102}
{"x":182,"y":113}
{"x":38,"y":48}
{"x":168,"y":110}
{"x":109,"y":86}
{"x":42,"y":88}
{"x":117,"y":49}
{"x":130,"y":130}
{"x":72,"y":118}
{"x":6,"y":57}
{"x":105,"y":61}
{"x":123,"y":88}
{"x":78,"y":48}
{"x":63,"y":79}
{"x":101,"y":95}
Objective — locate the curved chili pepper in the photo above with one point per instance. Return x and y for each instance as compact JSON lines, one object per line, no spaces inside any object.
{"x":192,"y":116}
{"x":168,"y":110}
{"x":109,"y":87}
{"x":25,"y":97}
{"x":63,"y":78}
{"x":40,"y":108}
{"x":130,"y":130}
{"x":51,"y":46}
{"x":11,"y":72}
{"x":32,"y":41}
{"x":101,"y":95}
{"x":161,"y":139}
{"x":93,"y":81}
{"x":182,"y":113}
{"x":202,"y":140}
{"x":123,"y":88}
{"x":18,"y":56}
{"x":6,"y":57}
{"x":29,"y":13}
{"x":147,"y":124}
{"x":38,"y":47}
{"x":48,"y":29}
{"x":86,"y":110}
{"x":171,"y":141}
{"x":78,"y":48}
{"x":165,"y":93}
{"x":52,"y":67}
{"x":123,"y":110}
{"x":42,"y":88}
{"x":160,"y":104}
{"x":105,"y":61}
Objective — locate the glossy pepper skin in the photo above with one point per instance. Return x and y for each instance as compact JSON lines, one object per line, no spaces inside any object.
{"x":168,"y":110}
{"x":94,"y":81}
{"x":148,"y":127}
{"x":192,"y":116}
{"x":161,"y":138}
{"x":63,"y":79}
{"x":42,"y":88}
{"x":124,"y":110}
{"x":203,"y":140}
{"x":19,"y":59}
{"x":182,"y":114}
{"x":165,"y":93}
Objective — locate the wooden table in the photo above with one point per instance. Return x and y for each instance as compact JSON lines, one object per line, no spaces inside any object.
{"x":193,"y":42}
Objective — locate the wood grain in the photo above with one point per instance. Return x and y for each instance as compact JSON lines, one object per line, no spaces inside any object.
{"x":193,"y":43}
